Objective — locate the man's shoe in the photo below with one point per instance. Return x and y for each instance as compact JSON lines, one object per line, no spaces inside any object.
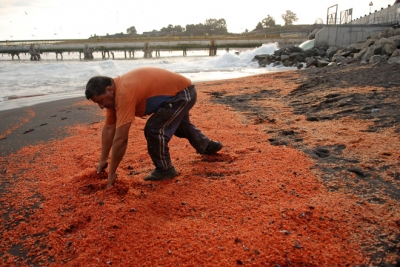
{"x":161,"y":175}
{"x":212,"y":148}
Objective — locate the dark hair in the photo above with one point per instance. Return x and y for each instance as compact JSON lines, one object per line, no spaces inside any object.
{"x":97,"y":86}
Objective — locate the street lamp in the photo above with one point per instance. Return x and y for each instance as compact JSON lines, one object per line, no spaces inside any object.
{"x":370,"y":6}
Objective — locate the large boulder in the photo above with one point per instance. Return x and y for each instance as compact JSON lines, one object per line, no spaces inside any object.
{"x":369,"y":42}
{"x":375,"y":35}
{"x":388,"y":49}
{"x":331,"y":51}
{"x":322,"y":63}
{"x":279,"y":51}
{"x":292,"y":56}
{"x":368,"y":54}
{"x":311,"y":61}
{"x":395,"y":58}
{"x":385,"y":46}
{"x":377,"y":58}
{"x":309,"y":52}
{"x":395,"y":40}
{"x":338,"y":58}
{"x":295,"y":49}
{"x":379,"y":46}
{"x":284,"y":58}
{"x":354,"y":48}
{"x":387,"y":33}
{"x":320,"y":52}
{"x":360,"y":54}
{"x":298,"y":57}
{"x":396,"y":53}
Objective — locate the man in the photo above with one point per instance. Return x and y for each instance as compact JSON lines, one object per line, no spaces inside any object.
{"x":168,"y":96}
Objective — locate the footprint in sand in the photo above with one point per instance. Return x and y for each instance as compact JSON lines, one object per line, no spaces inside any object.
{"x":30,"y":130}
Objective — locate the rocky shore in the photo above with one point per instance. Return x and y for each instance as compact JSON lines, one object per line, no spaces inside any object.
{"x":379,"y":47}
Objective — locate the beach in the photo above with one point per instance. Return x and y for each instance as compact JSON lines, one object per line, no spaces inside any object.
{"x":308,"y":176}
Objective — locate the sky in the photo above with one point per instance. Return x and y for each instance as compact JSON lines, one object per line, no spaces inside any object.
{"x":80,"y":19}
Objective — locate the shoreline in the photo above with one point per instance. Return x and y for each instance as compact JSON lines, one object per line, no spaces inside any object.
{"x":41,"y":122}
{"x":292,"y":183}
{"x":27,"y":101}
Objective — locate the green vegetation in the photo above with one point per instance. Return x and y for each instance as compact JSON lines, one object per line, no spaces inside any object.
{"x":211,"y":27}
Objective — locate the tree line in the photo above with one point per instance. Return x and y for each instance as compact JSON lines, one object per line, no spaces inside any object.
{"x":209,"y":27}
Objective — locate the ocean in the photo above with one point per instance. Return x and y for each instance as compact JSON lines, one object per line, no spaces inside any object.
{"x":24,"y":82}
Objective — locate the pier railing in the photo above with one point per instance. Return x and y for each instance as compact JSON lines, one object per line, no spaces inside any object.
{"x":94,"y":40}
{"x":145,"y":44}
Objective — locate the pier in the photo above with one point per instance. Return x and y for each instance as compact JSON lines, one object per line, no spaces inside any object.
{"x":149,"y":46}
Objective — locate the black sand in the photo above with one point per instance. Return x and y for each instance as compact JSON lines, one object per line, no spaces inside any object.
{"x":48,"y":122}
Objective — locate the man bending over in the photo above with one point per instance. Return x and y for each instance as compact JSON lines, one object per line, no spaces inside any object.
{"x":167,"y":96}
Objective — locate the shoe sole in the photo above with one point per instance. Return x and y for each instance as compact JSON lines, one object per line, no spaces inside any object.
{"x":155,"y":178}
{"x":215,"y":150}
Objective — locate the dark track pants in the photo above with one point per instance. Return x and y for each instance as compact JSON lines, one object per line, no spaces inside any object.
{"x":172,"y":118}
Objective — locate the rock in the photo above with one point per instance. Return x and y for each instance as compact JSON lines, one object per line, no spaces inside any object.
{"x":361,"y":53}
{"x":285,"y":52}
{"x":261,"y":57}
{"x":309,"y":52}
{"x":279,"y":52}
{"x":301,"y":57}
{"x":299,"y":65}
{"x":292,"y":56}
{"x":396,"y":53}
{"x":346,"y":54}
{"x":354,"y":48}
{"x":295,"y":49}
{"x":284,"y":58}
{"x":379,"y":46}
{"x":322,"y":63}
{"x":394,"y":60}
{"x":368,"y":54}
{"x":375,"y":35}
{"x":324,"y":47}
{"x":388,"y":49}
{"x":331,"y":51}
{"x":321,"y":52}
{"x":395,"y":40}
{"x":386,"y":33}
{"x":338,"y":58}
{"x":287,"y":63}
{"x":332,"y":64}
{"x":369,"y":42}
{"x":376,"y":59}
{"x":311,"y":61}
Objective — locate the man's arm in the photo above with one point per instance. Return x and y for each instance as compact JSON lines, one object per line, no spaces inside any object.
{"x":107,"y":137}
{"x":119,"y":146}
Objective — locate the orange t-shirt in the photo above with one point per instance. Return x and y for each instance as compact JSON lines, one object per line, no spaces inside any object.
{"x":142,"y":91}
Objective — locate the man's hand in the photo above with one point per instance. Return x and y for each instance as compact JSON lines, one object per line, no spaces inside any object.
{"x":111,"y":179}
{"x":101,"y":166}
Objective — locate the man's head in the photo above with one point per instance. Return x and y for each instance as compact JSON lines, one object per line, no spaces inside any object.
{"x":100,"y":89}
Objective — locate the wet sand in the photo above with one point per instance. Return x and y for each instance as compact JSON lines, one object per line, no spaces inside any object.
{"x":308,"y":176}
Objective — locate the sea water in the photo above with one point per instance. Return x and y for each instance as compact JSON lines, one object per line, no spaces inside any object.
{"x":24,"y":82}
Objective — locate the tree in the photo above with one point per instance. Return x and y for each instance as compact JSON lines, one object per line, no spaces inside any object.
{"x":289,"y":17}
{"x":216,"y":26}
{"x":172,"y":30}
{"x":211,"y":26}
{"x":259,"y":27}
{"x":268,"y":22}
{"x":131,"y":30}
